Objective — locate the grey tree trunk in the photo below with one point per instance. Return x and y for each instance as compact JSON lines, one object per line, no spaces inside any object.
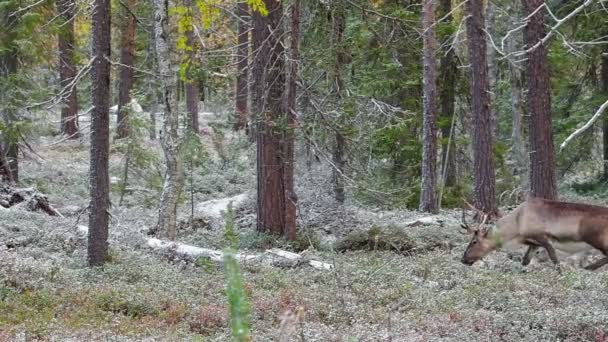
{"x":242,"y":64}
{"x":516,"y":80}
{"x":483,"y":161}
{"x":448,"y":74}
{"x":8,"y":67}
{"x":338,"y":15}
{"x":67,"y":69}
{"x":100,"y":136}
{"x":428,"y":194}
{"x":604,"y":90}
{"x":491,"y":58}
{"x":127,"y":59}
{"x":170,"y":139}
{"x":289,"y":137}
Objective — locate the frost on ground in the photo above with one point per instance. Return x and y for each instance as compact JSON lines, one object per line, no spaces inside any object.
{"x":420,"y":293}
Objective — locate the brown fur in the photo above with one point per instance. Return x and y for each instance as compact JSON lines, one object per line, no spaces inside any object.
{"x":536,"y":222}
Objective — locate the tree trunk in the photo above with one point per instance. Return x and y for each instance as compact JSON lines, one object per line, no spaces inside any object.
{"x":192,"y":83}
{"x":127,"y":52}
{"x":5,"y":171}
{"x":294,"y":60}
{"x":338,"y":158}
{"x":67,"y":69}
{"x":491,"y":58}
{"x":242,"y":54}
{"x":8,"y":67}
{"x":428,"y":193}
{"x":170,"y":140}
{"x":268,"y":87}
{"x":100,"y":136}
{"x":604,"y":90}
{"x":516,"y":80}
{"x":542,"y":162}
{"x":448,"y":73}
{"x":483,"y":161}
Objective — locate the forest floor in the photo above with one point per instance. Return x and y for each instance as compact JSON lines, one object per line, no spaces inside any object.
{"x":422,"y":294}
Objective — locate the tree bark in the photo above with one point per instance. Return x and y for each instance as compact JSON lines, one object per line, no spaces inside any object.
{"x":542,"y":162}
{"x":604,"y":90}
{"x":100,"y":136}
{"x":5,"y":171}
{"x":448,"y":74}
{"x":289,"y":143}
{"x":483,"y":161}
{"x":268,"y":87}
{"x":8,"y":67}
{"x":516,"y":80}
{"x":191,"y":83}
{"x":170,"y":140}
{"x":127,"y":56}
{"x":338,"y":16}
{"x":67,"y":69}
{"x":428,"y":193}
{"x":491,"y":58}
{"x":242,"y":61}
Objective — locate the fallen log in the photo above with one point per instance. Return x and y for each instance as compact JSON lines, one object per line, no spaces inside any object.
{"x":276,"y":256}
{"x":27,"y":198}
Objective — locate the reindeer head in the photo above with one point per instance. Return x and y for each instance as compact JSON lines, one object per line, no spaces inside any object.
{"x":481,"y":243}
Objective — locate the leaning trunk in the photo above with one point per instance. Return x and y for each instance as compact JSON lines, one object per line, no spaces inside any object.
{"x":170,"y":140}
{"x":483,"y":163}
{"x":100,"y":136}
{"x":542,"y":162}
{"x":127,"y":44}
{"x":428,"y":194}
{"x":67,"y":69}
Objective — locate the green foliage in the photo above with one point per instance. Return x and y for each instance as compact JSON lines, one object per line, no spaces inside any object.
{"x":240,"y":311}
{"x":230,"y":234}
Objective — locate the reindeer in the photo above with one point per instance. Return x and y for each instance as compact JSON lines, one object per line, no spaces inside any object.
{"x":537,"y":222}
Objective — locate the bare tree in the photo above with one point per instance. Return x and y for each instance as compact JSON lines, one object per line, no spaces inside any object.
{"x":542,"y":162}
{"x":127,"y":56}
{"x":338,"y":16}
{"x":604,"y":90}
{"x":191,"y":83}
{"x":100,"y":136}
{"x":448,"y":74}
{"x":294,"y":60}
{"x":516,"y":81}
{"x":428,"y":193}
{"x":483,"y":161}
{"x":242,"y":65}
{"x":268,"y":75}
{"x":170,"y":140}
{"x":67,"y":69}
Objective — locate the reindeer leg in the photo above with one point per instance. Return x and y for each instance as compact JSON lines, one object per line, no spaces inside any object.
{"x":547,"y":245}
{"x":597,"y":264}
{"x":529,"y":253}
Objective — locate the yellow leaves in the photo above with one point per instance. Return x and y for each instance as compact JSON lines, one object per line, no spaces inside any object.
{"x":209,"y":12}
{"x":258,"y":6}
